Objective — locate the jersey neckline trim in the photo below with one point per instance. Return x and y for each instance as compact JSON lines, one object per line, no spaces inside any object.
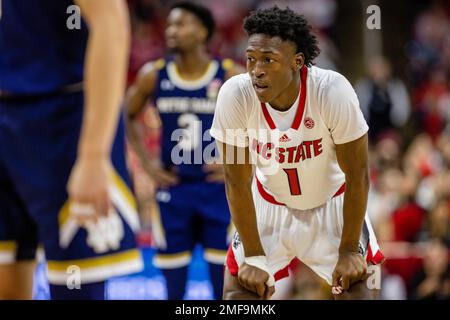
{"x":301,"y":104}
{"x":207,"y":77}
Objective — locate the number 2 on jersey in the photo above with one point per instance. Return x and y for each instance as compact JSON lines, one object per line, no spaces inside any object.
{"x":294,"y":183}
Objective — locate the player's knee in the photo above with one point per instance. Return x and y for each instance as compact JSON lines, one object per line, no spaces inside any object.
{"x":11,"y":294}
{"x":359,"y":291}
{"x":226,"y":293}
{"x":16,"y":281}
{"x":231,"y":289}
{"x":230,"y":295}
{"x":91,"y":291}
{"x":239,"y":293}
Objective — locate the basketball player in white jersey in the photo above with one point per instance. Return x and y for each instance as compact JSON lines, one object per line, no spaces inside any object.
{"x":303,"y":129}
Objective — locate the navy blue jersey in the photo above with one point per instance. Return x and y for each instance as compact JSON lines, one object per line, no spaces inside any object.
{"x":186,"y":109}
{"x":38,"y":52}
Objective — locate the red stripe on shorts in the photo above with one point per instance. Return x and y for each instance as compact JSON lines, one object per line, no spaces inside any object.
{"x":378,"y":258}
{"x":234,"y":268}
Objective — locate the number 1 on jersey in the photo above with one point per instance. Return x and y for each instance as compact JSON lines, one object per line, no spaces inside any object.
{"x":294,"y":183}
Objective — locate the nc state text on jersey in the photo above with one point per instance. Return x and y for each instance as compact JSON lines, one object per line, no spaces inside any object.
{"x":305,"y":150}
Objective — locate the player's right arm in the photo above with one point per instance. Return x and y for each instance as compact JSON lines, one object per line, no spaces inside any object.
{"x":136,"y":100}
{"x":141,"y":90}
{"x":230,"y":133}
{"x":238,"y":181}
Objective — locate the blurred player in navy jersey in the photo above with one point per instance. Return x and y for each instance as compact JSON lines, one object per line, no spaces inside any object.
{"x":63,"y":176}
{"x":191,"y":194}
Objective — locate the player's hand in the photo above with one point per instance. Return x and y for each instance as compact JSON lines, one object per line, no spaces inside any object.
{"x":256,"y":280}
{"x":162,"y":178}
{"x":429,"y":286}
{"x":214,"y":172}
{"x":350,"y":268}
{"x":88,"y":188}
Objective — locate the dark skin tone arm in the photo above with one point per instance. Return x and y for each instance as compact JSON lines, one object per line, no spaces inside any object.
{"x":353,"y":160}
{"x":238,"y":180}
{"x":136,"y":100}
{"x":141,"y":90}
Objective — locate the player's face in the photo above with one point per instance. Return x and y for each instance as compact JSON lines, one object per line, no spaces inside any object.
{"x":272,"y":65}
{"x":184,"y":31}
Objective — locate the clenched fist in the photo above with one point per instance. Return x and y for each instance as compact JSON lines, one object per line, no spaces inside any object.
{"x":254,"y":278}
{"x":350,"y":268}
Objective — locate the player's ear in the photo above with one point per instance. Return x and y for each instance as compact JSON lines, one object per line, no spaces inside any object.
{"x":298,"y":61}
{"x":203,"y":34}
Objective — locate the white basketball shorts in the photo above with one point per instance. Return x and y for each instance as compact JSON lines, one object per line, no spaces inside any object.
{"x":312,"y":236}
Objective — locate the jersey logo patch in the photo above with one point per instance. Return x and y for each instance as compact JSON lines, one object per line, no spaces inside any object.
{"x":285,"y":138}
{"x":213,"y":88}
{"x":166,"y":85}
{"x":309,"y":123}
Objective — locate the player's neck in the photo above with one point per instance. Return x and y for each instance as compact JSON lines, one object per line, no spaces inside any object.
{"x":288,"y":96}
{"x":192,"y":65}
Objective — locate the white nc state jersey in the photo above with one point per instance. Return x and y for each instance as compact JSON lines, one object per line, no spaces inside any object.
{"x":294,"y":150}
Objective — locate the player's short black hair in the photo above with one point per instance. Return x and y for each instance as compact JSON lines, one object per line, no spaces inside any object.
{"x":202,"y":13}
{"x":287,"y":25}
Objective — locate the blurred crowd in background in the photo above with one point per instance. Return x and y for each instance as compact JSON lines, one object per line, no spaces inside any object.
{"x":406,"y":107}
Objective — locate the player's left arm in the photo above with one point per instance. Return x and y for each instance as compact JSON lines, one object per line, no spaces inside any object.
{"x":353,"y":160}
{"x":348,"y":128}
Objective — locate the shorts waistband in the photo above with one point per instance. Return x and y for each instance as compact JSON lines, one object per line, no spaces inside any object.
{"x":9,"y":97}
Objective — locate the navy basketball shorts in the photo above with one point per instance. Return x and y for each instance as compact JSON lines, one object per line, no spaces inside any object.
{"x":39,"y":142}
{"x":189,"y":214}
